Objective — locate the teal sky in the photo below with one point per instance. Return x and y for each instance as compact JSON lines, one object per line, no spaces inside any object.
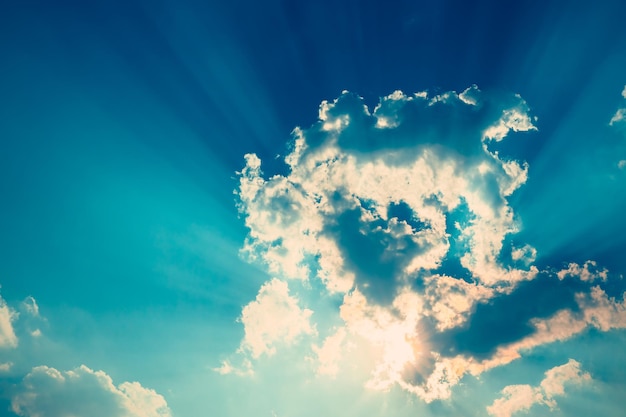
{"x":300,"y":208}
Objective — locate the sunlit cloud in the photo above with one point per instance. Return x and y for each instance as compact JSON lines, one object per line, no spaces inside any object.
{"x":403,"y":214}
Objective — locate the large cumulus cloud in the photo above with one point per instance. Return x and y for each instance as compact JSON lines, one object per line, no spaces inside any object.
{"x":402,"y":212}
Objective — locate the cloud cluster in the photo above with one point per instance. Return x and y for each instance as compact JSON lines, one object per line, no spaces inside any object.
{"x":47,"y":392}
{"x":518,"y":398}
{"x":403,"y":214}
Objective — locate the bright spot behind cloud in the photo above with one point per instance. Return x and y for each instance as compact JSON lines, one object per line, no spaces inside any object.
{"x":403,"y":214}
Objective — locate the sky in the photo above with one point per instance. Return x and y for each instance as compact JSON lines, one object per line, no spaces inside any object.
{"x":294,"y":209}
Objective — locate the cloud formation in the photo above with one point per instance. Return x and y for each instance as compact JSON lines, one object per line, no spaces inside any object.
{"x":518,"y":398}
{"x":47,"y":392}
{"x":403,"y":214}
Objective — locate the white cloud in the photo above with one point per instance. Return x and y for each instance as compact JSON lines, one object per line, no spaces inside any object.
{"x":618,"y":117}
{"x":289,"y":216}
{"x":47,"y":392}
{"x":227,"y":368}
{"x":526,"y":254}
{"x":273,"y":318}
{"x":518,"y":398}
{"x":403,"y":212}
{"x":515,"y":119}
{"x":450,"y":300}
{"x":335,"y":216}
{"x":8,"y":339}
{"x":588,"y":272}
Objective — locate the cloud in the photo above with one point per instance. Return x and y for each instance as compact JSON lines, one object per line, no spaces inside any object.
{"x":588,"y":272}
{"x":30,"y":306}
{"x":518,"y":398}
{"x":15,"y":322}
{"x":591,"y":309}
{"x":227,"y":368}
{"x":333,"y":215}
{"x":330,"y":353}
{"x":47,"y":392}
{"x":619,"y":117}
{"x":273,"y":318}
{"x":401,"y":213}
{"x":8,"y":339}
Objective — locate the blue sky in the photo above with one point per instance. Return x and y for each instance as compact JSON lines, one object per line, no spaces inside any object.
{"x":290,"y":208}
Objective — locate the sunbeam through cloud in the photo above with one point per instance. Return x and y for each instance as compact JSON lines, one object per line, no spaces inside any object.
{"x":403,"y":214}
